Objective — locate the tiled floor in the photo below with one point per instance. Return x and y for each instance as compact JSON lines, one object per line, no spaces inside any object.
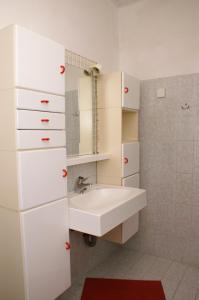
{"x":181,"y":282}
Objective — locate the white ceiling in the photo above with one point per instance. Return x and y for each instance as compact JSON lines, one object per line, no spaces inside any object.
{"x":123,"y":2}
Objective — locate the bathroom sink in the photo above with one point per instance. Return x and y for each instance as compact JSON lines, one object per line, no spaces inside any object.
{"x":104,"y":207}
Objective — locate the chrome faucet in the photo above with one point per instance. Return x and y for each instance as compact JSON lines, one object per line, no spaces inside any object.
{"x":81,"y":186}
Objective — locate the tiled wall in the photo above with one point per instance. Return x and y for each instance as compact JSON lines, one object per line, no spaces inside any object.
{"x":83,"y":258}
{"x":169,"y":135}
{"x":72,"y":122}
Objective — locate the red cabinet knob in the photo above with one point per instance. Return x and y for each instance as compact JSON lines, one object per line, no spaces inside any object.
{"x":45,"y":120}
{"x":126,"y":160}
{"x":45,"y":139}
{"x":65,"y":173}
{"x":67,"y":246}
{"x":126,"y":90}
{"x":45,"y":101}
{"x":62,"y":69}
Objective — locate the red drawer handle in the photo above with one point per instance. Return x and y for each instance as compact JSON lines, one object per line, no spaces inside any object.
{"x":45,"y":120}
{"x":45,"y":139}
{"x":45,"y":101}
{"x":62,"y":69}
{"x":126,"y":160}
{"x":65,"y":173}
{"x":67,"y":246}
{"x":126,"y":90}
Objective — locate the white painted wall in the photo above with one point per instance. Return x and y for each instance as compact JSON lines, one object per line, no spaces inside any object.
{"x":87,"y":27}
{"x":159,"y":38}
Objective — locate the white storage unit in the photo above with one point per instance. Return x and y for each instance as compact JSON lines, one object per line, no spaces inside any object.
{"x":130,"y":158}
{"x":118,"y":111}
{"x":130,"y":92}
{"x":130,"y":227}
{"x":34,"y":62}
{"x":33,"y":203}
{"x":42,"y":177}
{"x":46,"y":260}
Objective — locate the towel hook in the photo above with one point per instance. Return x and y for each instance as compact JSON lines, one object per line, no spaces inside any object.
{"x":185,"y":106}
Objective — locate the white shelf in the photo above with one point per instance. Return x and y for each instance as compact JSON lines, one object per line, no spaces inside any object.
{"x":83,"y":159}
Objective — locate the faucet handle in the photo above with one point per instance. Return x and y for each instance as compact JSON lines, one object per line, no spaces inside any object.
{"x":82,"y":179}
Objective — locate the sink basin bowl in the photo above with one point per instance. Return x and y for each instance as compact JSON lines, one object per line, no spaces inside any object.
{"x":104,"y":207}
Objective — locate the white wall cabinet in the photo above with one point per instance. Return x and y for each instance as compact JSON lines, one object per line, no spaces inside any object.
{"x":33,"y":204}
{"x":41,"y":176}
{"x":118,"y":112}
{"x":130,"y":92}
{"x":120,"y":90}
{"x":46,"y":259}
{"x":34,"y":62}
{"x":130,"y":158}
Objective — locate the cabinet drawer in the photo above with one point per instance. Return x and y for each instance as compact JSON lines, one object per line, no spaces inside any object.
{"x":46,"y":261}
{"x":31,"y":100}
{"x":130,"y":92}
{"x":130,"y":159}
{"x":39,"y":120}
{"x":29,"y":139}
{"x":42,"y":177}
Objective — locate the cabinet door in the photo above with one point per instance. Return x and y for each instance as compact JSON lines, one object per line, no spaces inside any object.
{"x":130,"y":226}
{"x":46,"y":259}
{"x":131,"y":181}
{"x":130,"y":157}
{"x":39,"y":62}
{"x":130,"y":92}
{"x":41,"y":176}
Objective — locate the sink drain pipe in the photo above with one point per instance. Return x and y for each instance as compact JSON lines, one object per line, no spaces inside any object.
{"x":90,"y":240}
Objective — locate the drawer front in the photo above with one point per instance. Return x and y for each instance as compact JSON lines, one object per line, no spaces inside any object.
{"x":31,"y":100}
{"x":42,"y":176}
{"x":130,"y":92}
{"x":39,"y":120}
{"x":30,"y":139}
{"x":130,"y":157}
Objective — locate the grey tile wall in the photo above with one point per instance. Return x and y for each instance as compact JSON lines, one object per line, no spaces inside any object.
{"x":84,"y":258}
{"x":169,"y":138}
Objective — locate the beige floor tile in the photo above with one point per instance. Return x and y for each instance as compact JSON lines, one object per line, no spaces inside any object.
{"x":191,"y":278}
{"x":185,"y":293}
{"x":172,"y":278}
{"x":158,"y":269}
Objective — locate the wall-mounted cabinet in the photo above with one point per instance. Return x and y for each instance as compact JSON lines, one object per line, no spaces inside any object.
{"x":118,"y":113}
{"x":130,"y":92}
{"x":34,"y":62}
{"x":130,"y":159}
{"x":34,"y":231}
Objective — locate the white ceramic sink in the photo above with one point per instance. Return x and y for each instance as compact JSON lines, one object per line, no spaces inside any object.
{"x":104,"y":207}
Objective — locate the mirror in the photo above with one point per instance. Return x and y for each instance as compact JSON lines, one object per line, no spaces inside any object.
{"x":80,"y":116}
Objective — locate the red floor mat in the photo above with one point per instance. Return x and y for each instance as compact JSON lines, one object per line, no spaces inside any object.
{"x":116,"y":289}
